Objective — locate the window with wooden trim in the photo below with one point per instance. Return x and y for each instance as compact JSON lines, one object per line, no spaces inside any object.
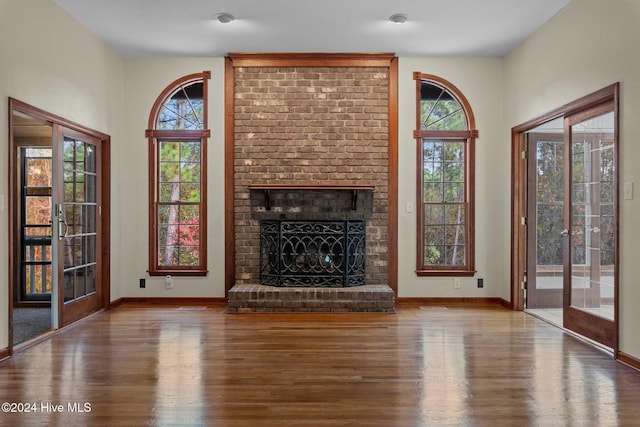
{"x":445,"y":135}
{"x":178,"y":134}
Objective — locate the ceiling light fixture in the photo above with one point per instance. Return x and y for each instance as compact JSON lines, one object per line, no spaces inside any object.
{"x":225,"y":18}
{"x":398,"y":18}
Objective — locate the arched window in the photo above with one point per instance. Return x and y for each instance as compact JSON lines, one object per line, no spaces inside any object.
{"x":178,"y":133}
{"x":445,"y":135}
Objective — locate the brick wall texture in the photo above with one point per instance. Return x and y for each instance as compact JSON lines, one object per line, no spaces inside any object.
{"x":310,"y":125}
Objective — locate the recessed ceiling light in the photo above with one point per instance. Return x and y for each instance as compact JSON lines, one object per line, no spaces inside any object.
{"x":398,"y":18}
{"x":225,"y":18}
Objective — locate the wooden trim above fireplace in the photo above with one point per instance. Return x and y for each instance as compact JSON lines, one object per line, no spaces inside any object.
{"x":311,"y":59}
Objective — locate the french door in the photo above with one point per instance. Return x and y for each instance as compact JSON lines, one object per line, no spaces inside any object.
{"x":590,"y":231}
{"x":78,"y":225}
{"x":59,"y":221}
{"x":572,"y":222}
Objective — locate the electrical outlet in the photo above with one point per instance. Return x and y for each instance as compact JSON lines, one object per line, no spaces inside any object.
{"x":480,"y":283}
{"x":456,"y":284}
{"x":168,"y":282}
{"x":143,"y":283}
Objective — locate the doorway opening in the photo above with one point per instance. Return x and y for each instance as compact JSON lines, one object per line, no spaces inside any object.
{"x":32,"y":314}
{"x":59,"y":222}
{"x":545,"y":217}
{"x":565,"y":223}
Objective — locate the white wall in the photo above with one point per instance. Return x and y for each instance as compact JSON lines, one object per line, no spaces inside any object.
{"x":480,"y":80}
{"x":145,"y":78}
{"x":49,"y":61}
{"x":587,"y":46}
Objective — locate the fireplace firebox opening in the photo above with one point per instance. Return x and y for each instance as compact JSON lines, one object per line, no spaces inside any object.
{"x":312,"y":253}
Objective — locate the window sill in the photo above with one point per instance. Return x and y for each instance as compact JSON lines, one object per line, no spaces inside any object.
{"x":168,"y":272}
{"x":446,"y":273}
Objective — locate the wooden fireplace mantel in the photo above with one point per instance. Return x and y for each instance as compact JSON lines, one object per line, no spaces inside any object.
{"x":353,"y":188}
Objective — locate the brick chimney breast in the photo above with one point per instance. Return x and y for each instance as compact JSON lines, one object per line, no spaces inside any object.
{"x":311,"y":124}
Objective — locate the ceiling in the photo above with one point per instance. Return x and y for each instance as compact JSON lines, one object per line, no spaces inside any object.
{"x":25,"y":126}
{"x":435,"y":28}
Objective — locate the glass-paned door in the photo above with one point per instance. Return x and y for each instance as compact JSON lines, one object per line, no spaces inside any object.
{"x":590,"y":309}
{"x":77,"y":215}
{"x":571,"y":223}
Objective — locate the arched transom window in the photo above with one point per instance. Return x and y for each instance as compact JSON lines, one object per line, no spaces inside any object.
{"x":177,"y":135}
{"x":445,"y":135}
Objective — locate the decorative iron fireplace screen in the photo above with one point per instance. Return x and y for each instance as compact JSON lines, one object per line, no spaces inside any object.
{"x":312,"y":253}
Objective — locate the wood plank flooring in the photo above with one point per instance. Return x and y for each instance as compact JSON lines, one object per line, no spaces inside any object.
{"x":423,"y":366}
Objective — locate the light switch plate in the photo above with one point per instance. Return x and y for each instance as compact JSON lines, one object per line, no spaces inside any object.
{"x":409,"y":207}
{"x":628,"y":190}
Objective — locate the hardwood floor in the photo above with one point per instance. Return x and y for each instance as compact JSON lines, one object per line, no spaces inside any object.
{"x":423,"y":366}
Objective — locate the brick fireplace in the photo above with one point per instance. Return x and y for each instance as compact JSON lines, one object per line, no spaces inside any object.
{"x":318,"y":129}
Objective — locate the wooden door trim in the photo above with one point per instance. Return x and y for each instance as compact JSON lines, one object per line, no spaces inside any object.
{"x":105,"y":199}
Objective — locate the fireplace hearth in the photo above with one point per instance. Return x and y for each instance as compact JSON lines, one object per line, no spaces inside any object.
{"x":322,"y":254}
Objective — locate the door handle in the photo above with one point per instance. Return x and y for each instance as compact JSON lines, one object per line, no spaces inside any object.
{"x":565,"y":232}
{"x":63,"y":228}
